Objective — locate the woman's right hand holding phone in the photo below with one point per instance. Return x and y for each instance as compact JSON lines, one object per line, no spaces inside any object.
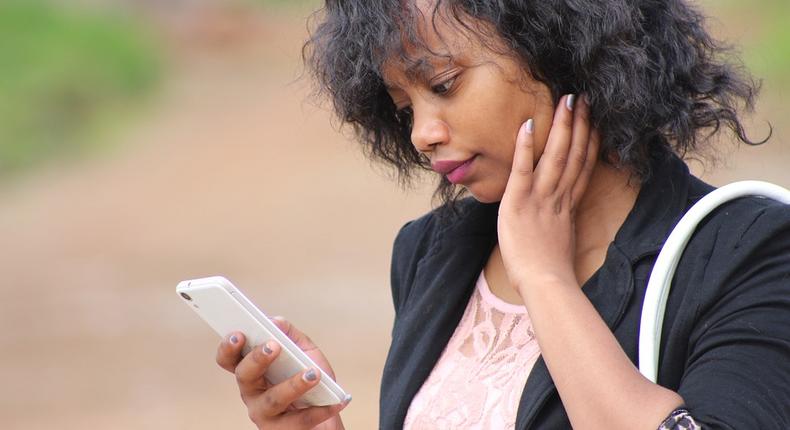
{"x":270,"y":407}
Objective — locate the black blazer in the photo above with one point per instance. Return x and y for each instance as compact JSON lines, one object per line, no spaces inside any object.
{"x":726,"y":336}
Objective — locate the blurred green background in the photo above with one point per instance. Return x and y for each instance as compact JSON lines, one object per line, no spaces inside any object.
{"x":68,"y":70}
{"x":65,"y":73}
{"x":143,"y":142}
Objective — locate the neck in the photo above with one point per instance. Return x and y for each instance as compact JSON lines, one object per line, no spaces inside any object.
{"x":609,"y":198}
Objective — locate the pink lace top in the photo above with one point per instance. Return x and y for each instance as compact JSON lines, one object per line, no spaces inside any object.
{"x":478,"y":380}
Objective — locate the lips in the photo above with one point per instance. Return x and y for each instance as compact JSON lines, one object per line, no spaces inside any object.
{"x":454,"y":170}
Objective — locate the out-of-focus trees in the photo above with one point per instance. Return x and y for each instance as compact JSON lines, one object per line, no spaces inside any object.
{"x":66,"y":73}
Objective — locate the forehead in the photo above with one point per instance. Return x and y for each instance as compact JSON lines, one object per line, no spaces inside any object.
{"x":431,"y":41}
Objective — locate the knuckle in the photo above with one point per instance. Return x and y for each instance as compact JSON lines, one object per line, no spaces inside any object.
{"x":579,"y":157}
{"x":258,"y":356}
{"x":522,"y":170}
{"x":583,"y":111}
{"x":584,"y":115}
{"x":272,"y":402}
{"x":308,"y":420}
{"x":296,"y":384}
{"x":560,"y":160}
{"x":564,"y":119}
{"x":241,"y":378}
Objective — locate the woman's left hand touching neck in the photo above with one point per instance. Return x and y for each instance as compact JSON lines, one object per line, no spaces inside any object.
{"x":556,"y":218}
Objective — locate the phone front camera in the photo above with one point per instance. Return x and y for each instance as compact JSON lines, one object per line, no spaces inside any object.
{"x":186,"y":296}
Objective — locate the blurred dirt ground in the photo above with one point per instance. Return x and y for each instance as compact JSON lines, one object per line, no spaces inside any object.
{"x":233,"y":173}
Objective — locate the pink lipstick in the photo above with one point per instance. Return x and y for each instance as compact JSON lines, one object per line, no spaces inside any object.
{"x":454,"y":170}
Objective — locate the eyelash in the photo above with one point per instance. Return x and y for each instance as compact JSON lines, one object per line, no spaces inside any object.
{"x":448,"y":84}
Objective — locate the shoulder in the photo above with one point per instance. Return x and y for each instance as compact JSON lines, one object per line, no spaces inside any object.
{"x":415,"y":231}
{"x":744,"y":222}
{"x":461,"y":231}
{"x":417,"y":235}
{"x":742,"y":247}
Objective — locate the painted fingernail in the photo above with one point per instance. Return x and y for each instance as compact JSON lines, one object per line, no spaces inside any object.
{"x":267,"y":349}
{"x":569,"y":101}
{"x":234,"y":339}
{"x":310,"y":375}
{"x":347,"y":400}
{"x":530,"y":126}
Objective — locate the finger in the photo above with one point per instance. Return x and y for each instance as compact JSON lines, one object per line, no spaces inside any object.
{"x":589,"y":165}
{"x":300,"y":339}
{"x":580,"y":141}
{"x":249,"y":372}
{"x":520,"y":180}
{"x":229,"y":351}
{"x":278,"y":398}
{"x":555,"y":155}
{"x":311,"y":417}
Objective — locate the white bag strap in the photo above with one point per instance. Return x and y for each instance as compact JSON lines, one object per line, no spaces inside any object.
{"x":664,"y":270}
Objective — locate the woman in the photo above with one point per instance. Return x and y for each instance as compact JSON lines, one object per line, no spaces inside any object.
{"x":518,"y":307}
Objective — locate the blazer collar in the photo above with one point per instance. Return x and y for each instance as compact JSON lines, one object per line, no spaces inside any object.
{"x":661,"y":203}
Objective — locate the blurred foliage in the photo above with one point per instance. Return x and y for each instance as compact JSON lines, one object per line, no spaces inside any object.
{"x":298,"y":3}
{"x":769,"y":56}
{"x":301,"y":6}
{"x":64,"y":74}
{"x":765,"y":43}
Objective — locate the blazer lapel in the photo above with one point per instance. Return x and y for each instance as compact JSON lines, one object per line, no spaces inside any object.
{"x":443,"y":283}
{"x":609,"y":290}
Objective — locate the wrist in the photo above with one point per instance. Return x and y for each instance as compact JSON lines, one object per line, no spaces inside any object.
{"x":547,"y":282}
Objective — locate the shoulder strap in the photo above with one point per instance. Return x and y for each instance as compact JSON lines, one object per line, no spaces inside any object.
{"x":663,"y":271}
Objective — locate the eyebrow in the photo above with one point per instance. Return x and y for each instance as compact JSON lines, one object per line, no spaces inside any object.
{"x":421,"y":68}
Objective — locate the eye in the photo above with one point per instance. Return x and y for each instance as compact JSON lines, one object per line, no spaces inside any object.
{"x":405,"y":115}
{"x":444,"y":87}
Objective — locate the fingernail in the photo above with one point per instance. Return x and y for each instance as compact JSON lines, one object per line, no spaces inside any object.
{"x":267,"y":349}
{"x":569,"y":101}
{"x":310,"y":375}
{"x":347,"y":400}
{"x":530,"y":126}
{"x":234,"y":339}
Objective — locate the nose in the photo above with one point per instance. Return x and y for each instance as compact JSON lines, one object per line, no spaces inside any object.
{"x":428,"y":130}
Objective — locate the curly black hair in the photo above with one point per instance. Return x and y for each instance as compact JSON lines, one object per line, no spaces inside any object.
{"x":656,"y":80}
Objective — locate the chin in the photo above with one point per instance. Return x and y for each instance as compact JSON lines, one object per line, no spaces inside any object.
{"x":486,"y":195}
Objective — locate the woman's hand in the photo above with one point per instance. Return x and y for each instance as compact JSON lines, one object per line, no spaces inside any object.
{"x":270,"y":407}
{"x":536,"y":215}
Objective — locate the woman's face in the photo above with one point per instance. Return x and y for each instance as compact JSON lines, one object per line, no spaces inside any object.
{"x":468,"y":109}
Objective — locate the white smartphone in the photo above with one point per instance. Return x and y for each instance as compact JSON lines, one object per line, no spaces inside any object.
{"x":226,"y":309}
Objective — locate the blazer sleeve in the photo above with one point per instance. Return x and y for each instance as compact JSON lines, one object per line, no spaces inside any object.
{"x":738,"y":370}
